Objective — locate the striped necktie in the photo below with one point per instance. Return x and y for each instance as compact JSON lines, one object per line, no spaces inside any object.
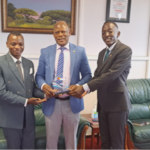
{"x":106,"y":54}
{"x":60,"y":66}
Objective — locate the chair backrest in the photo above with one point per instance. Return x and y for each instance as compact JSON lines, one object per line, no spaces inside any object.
{"x":39,"y":116}
{"x":139,"y":93}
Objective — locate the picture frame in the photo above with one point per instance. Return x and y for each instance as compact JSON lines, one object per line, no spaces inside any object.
{"x":28,"y":20}
{"x":118,"y":11}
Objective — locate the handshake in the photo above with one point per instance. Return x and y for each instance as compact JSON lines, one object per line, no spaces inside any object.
{"x":75,"y":91}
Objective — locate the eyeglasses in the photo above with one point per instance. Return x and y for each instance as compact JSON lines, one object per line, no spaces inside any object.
{"x":62,"y":32}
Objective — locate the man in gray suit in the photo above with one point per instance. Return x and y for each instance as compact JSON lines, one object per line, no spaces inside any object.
{"x":113,"y":65}
{"x":17,"y":87}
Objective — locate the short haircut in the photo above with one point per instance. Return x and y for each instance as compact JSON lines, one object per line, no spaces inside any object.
{"x":63,"y":22}
{"x":110,"y":22}
{"x":14,"y":33}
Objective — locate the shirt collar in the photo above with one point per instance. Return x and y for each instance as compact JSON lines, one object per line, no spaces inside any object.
{"x":15,"y":60}
{"x":111,"y":47}
{"x":66,"y":46}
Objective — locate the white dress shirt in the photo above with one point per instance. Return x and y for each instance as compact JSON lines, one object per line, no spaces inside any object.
{"x":66,"y":67}
{"x":85,"y":86}
{"x":15,"y":60}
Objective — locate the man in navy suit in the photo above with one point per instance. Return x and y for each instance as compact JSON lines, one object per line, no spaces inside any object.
{"x":64,"y":110}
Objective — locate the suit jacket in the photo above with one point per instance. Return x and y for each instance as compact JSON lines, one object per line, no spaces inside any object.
{"x":14,"y":92}
{"x":110,"y":79}
{"x":45,"y":74}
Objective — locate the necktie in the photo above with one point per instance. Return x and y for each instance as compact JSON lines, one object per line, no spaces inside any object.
{"x":106,"y":54}
{"x":60,"y":66}
{"x":19,"y":68}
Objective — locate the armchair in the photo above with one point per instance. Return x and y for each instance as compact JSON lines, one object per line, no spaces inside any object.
{"x":139,"y":92}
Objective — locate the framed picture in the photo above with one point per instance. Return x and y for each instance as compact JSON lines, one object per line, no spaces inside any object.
{"x":118,"y":10}
{"x":37,"y":16}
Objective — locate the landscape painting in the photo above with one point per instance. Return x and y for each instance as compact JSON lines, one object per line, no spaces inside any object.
{"x":37,"y":16}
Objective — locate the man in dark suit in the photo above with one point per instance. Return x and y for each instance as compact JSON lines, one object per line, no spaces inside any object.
{"x":17,"y":87}
{"x":113,"y":65}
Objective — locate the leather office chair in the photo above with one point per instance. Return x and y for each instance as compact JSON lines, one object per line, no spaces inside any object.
{"x":139,"y":92}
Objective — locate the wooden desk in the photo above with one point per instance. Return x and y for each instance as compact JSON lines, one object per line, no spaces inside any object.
{"x":95,"y":130}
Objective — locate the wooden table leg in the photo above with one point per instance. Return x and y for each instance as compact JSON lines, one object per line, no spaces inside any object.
{"x":92,"y":139}
{"x":97,"y":138}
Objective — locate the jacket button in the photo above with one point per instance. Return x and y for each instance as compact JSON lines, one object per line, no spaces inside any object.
{"x":18,"y":92}
{"x":32,"y":79}
{"x":8,"y":81}
{"x":29,"y":90}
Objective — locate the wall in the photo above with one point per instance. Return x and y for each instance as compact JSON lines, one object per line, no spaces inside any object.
{"x":135,"y":34}
{"x":89,"y":20}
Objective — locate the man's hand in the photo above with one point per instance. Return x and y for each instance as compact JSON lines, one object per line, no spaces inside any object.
{"x":36,"y":101}
{"x":77,"y":91}
{"x":54,"y":94}
{"x":49,"y":92}
{"x":72,"y":87}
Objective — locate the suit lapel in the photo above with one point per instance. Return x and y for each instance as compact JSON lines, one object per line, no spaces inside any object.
{"x":114,"y":51}
{"x":73,"y":54}
{"x":14,"y":69}
{"x":52,"y":56}
{"x":101,"y":58}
